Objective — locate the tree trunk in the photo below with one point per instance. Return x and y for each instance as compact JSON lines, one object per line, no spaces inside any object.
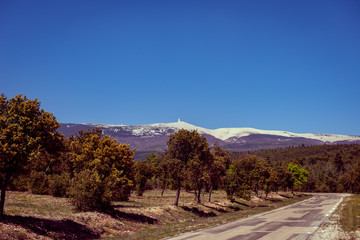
{"x":199,"y":196}
{"x":163,"y":190}
{"x":3,"y":192}
{"x":2,"y":201}
{"x":176,"y":203}
{"x":210,"y":191}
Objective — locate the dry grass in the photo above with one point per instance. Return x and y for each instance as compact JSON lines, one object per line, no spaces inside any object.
{"x":349,"y":216}
{"x":149,"y":217}
{"x":344,"y":223}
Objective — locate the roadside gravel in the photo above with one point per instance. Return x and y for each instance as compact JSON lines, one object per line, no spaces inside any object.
{"x":331,"y":229}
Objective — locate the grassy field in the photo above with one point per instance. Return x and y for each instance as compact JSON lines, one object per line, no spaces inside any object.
{"x":349,"y":216}
{"x":149,"y":217}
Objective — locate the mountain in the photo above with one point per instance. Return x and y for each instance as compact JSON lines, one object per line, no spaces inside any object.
{"x":153,"y":137}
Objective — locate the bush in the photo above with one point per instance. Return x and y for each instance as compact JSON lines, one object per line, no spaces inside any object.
{"x":20,"y":183}
{"x":88,"y":192}
{"x":59,"y":185}
{"x":38,"y":183}
{"x":324,"y":188}
{"x":102,"y":168}
{"x":122,"y":193}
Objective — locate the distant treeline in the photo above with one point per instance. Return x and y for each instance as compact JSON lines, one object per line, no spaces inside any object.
{"x":332,"y":168}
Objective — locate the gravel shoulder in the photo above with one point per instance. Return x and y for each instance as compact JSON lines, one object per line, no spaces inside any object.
{"x":332,"y":230}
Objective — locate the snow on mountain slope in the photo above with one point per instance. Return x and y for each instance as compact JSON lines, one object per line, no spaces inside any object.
{"x":226,"y":133}
{"x":181,"y":125}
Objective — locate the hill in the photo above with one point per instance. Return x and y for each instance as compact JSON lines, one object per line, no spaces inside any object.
{"x":153,"y":137}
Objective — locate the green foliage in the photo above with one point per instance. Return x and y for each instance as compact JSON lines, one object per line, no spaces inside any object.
{"x":59,"y":184}
{"x":26,"y":132}
{"x":217,"y":170}
{"x":330,"y":166}
{"x":239,"y":178}
{"x":272,"y":183}
{"x":38,"y":183}
{"x":89,"y":192}
{"x":143,"y":172}
{"x":107,"y":164}
{"x":299,"y":175}
{"x":187,"y":158}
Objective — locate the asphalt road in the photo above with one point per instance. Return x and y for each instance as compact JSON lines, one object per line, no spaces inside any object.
{"x":296,"y":221}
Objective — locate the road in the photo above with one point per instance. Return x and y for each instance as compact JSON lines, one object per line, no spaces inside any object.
{"x":297,"y":221}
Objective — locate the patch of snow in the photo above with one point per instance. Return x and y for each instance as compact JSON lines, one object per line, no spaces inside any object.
{"x":104,"y":125}
{"x":225,"y":134}
{"x":138,"y":131}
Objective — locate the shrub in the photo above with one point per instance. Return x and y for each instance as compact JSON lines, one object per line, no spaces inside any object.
{"x":102,"y":169}
{"x":38,"y":183}
{"x":59,"y":184}
{"x":88,"y":192}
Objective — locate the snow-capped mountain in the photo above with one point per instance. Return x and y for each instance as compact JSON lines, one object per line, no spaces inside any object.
{"x":224,"y":134}
{"x":153,"y":137}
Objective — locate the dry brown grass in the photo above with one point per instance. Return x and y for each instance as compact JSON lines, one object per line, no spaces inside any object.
{"x":349,"y":216}
{"x":152,"y":216}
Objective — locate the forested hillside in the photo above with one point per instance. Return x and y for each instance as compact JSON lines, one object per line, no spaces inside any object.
{"x":332,"y":168}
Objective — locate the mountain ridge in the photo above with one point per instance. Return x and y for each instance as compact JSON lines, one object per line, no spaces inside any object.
{"x":153,"y":137}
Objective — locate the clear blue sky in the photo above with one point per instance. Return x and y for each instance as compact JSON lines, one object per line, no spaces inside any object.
{"x":273,"y":65}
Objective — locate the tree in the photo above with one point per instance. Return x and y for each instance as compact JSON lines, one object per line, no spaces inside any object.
{"x":163,"y":173}
{"x":218,"y":168}
{"x":299,"y":175}
{"x":339,"y":163}
{"x":238,"y":179}
{"x":26,"y":131}
{"x":351,"y":180}
{"x":260,"y":174}
{"x":232,"y":180}
{"x":272,"y":182}
{"x":198,"y":170}
{"x":102,"y":170}
{"x":143,"y":172}
{"x":155,"y":162}
{"x":187,"y":151}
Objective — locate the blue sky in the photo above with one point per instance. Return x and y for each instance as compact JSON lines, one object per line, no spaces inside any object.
{"x":273,"y":65}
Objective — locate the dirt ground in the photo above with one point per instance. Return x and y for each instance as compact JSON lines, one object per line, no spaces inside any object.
{"x":151,"y":216}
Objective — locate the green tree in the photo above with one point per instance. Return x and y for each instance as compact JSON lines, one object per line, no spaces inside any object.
{"x":198,"y":170}
{"x":272,"y":182}
{"x":217,"y":170}
{"x":26,"y":131}
{"x":155,"y":162}
{"x":238,"y":181}
{"x":90,"y":192}
{"x":143,"y":172}
{"x":107,"y":164}
{"x":260,"y":174}
{"x":232,"y":180}
{"x":186,"y":148}
{"x":299,"y":175}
